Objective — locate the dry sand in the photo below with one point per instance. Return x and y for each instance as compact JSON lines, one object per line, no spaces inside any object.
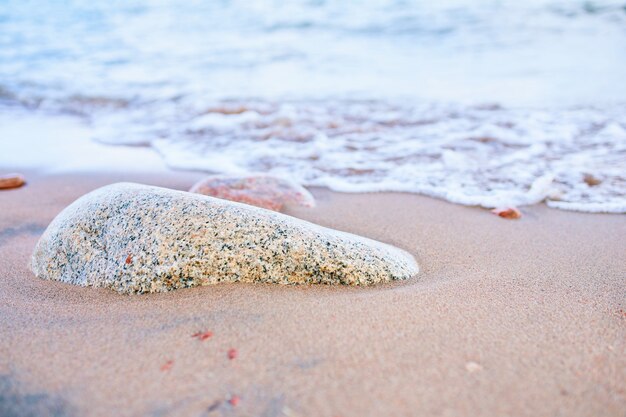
{"x":507,"y":318}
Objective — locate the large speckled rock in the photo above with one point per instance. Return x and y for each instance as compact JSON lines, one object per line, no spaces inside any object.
{"x":138,"y":238}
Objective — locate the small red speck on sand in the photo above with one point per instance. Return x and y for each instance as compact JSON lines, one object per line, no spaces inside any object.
{"x":507,"y":212}
{"x":232,"y":354}
{"x":167,"y":365}
{"x":234,"y":400}
{"x":202,"y":336}
{"x":129,"y":259}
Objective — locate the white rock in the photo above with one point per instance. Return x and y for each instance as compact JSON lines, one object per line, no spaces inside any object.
{"x":138,"y":238}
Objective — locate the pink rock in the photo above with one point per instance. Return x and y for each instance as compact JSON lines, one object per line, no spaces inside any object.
{"x":264,"y":191}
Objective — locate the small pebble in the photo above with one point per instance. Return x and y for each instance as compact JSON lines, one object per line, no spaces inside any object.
{"x":473,"y":367}
{"x":9,"y":181}
{"x":167,"y":365}
{"x":507,"y":212}
{"x":591,"y":181}
{"x":202,"y":336}
{"x":214,"y":406}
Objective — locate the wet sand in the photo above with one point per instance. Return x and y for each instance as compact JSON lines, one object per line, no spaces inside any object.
{"x":508,"y":317}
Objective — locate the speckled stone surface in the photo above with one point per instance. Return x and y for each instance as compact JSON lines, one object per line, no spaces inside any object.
{"x":138,"y":238}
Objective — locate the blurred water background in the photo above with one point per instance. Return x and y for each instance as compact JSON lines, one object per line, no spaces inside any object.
{"x":486,"y":102}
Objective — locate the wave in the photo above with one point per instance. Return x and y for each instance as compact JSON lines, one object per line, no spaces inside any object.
{"x":355,"y":96}
{"x":490,"y":156}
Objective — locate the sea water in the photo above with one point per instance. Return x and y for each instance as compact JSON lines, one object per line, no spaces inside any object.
{"x":479,"y":102}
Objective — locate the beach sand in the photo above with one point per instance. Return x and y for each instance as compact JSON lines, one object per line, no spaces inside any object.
{"x":507,"y":318}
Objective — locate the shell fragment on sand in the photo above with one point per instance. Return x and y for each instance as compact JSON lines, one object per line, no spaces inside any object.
{"x":261,"y":190}
{"x":507,"y":212}
{"x":9,"y":181}
{"x":138,"y":238}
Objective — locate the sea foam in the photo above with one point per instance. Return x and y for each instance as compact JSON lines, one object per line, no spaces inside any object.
{"x":573,"y":159}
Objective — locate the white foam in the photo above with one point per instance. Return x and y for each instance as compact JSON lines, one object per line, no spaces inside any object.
{"x":468,"y":155}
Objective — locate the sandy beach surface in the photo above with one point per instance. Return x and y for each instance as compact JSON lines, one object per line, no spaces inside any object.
{"x":507,"y":318}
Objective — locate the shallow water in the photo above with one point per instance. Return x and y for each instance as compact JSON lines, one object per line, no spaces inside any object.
{"x":478,"y":102}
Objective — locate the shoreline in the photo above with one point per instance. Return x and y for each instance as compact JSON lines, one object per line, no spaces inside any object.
{"x":522,"y":317}
{"x":63,"y":140}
